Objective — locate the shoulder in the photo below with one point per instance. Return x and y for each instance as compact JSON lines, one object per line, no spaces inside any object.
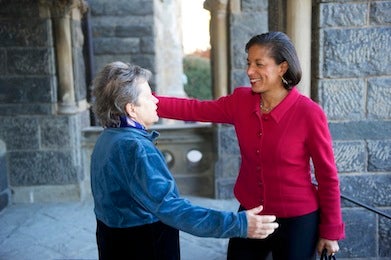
{"x":131,"y":142}
{"x":309,"y":104}
{"x":310,"y":108}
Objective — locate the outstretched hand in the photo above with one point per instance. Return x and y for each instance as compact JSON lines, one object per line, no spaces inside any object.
{"x":260,"y":226}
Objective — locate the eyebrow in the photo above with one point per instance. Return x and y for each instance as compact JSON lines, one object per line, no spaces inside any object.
{"x":257,"y":60}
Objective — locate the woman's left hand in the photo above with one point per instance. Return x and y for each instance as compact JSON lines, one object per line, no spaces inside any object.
{"x":331,"y":246}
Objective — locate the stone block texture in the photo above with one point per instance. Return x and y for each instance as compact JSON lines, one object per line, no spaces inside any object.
{"x":5,"y":196}
{"x":43,"y":147}
{"x":353,"y":86}
{"x":120,"y":32}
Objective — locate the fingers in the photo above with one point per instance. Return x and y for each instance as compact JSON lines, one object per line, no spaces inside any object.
{"x":331,"y":246}
{"x":260,"y":226}
{"x":266,"y":230}
{"x":332,"y":251}
{"x":263,"y":233}
{"x":265,"y":218}
{"x":256,"y":210}
{"x":268,"y":218}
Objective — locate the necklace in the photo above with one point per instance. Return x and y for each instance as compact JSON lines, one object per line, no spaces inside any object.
{"x":263,"y":108}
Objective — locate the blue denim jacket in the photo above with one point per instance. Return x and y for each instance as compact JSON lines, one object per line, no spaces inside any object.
{"x":132,"y":186}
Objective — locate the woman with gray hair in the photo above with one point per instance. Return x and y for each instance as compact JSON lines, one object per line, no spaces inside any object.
{"x":138,"y":208}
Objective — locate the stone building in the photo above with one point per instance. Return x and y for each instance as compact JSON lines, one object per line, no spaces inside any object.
{"x":49,"y":50}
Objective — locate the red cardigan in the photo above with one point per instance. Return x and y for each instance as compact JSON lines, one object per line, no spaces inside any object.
{"x":276,"y":149}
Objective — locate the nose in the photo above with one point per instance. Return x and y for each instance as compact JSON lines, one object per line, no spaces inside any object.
{"x":155,"y":100}
{"x":250,"y":70}
{"x":251,"y":67}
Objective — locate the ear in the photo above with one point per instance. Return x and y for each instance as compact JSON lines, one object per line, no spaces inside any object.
{"x":129,"y":108}
{"x":284,"y":67}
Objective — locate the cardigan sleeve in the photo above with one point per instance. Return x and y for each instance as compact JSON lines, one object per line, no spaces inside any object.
{"x":321,"y":151}
{"x":215,"y":111}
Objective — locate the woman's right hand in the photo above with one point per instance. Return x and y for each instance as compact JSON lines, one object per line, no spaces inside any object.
{"x":260,"y":226}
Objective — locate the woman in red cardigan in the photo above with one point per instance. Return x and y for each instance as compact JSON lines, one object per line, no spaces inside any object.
{"x":279,"y":132}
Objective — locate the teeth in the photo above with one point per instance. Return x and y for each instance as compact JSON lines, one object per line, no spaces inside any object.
{"x":254,"y":80}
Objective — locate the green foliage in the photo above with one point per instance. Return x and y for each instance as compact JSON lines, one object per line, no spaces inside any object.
{"x":198,"y":72}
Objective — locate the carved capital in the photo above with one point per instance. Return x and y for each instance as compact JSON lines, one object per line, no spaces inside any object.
{"x":63,"y":8}
{"x":216,"y":5}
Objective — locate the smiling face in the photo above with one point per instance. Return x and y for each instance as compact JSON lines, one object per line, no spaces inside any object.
{"x":144,"y":111}
{"x":262,"y":70}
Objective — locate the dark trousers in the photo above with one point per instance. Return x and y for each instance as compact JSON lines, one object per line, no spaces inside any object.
{"x":294,"y":239}
{"x":155,"y":241}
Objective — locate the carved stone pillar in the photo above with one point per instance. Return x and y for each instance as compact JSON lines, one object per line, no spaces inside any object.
{"x":219,"y":44}
{"x":299,"y":30}
{"x":169,"y":54}
{"x":61,"y":13}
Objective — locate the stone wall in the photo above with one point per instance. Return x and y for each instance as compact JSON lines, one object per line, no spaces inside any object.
{"x":352,"y":80}
{"x":5,"y":194}
{"x":43,"y":145}
{"x":123,"y":31}
{"x":142,"y":32}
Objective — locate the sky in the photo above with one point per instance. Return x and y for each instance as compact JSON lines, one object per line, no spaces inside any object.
{"x":195,"y":22}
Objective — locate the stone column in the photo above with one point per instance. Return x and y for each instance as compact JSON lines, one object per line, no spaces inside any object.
{"x":61,"y":14}
{"x":299,"y":30}
{"x":219,"y":45}
{"x":169,"y":53}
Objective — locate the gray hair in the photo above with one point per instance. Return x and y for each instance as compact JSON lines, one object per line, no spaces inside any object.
{"x":116,"y":85}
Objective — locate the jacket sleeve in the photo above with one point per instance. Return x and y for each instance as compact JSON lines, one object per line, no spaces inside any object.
{"x":321,"y":151}
{"x":153,"y":187}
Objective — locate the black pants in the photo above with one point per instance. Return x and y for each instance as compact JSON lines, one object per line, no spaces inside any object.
{"x":294,"y":239}
{"x":155,"y":241}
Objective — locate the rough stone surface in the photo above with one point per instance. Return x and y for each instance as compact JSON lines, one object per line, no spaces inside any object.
{"x":353,"y":130}
{"x":3,"y":170}
{"x":229,"y":154}
{"x":385,"y":235}
{"x":3,"y":62}
{"x":116,"y":45}
{"x":350,"y":156}
{"x":371,"y":189}
{"x":379,"y":155}
{"x":361,"y":231}
{"x":336,"y":15}
{"x":121,"y":8}
{"x":26,"y":89}
{"x":24,"y":32}
{"x":19,"y":133}
{"x":56,"y":133}
{"x":27,"y":109}
{"x":343,"y":99}
{"x":42,"y":167}
{"x":379,"y":96}
{"x":349,"y":52}
{"x":30,"y":61}
{"x":4,"y":183}
{"x":380,"y":13}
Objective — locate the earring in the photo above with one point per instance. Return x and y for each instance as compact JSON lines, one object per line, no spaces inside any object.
{"x":284,"y":80}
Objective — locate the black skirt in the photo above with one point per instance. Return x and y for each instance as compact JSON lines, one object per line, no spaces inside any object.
{"x":156,"y":241}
